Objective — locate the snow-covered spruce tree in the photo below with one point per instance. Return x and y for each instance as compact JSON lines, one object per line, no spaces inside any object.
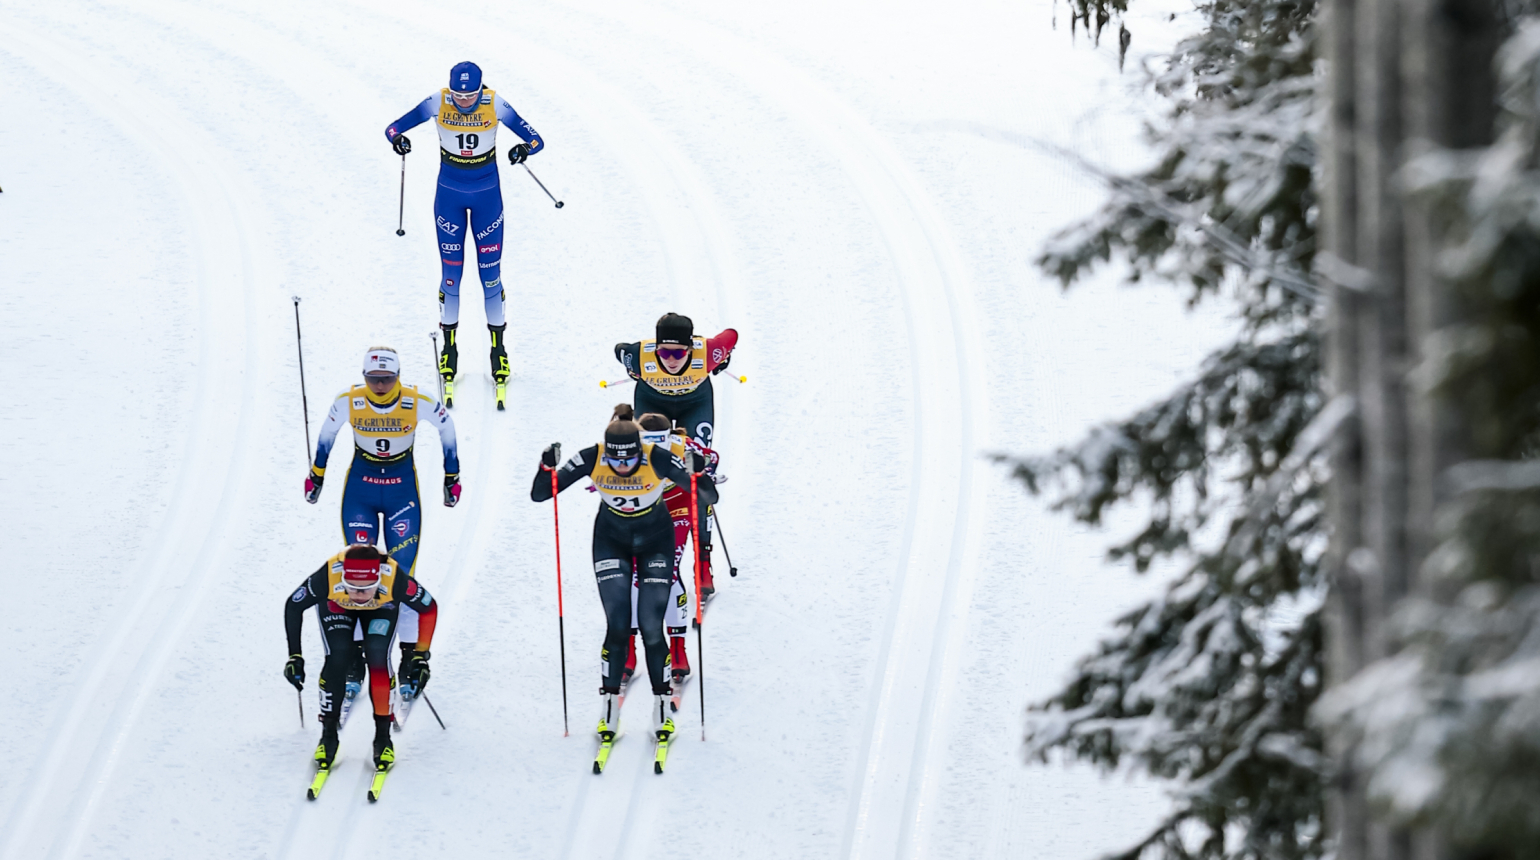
{"x":1448,"y":728}
{"x":1211,"y":684}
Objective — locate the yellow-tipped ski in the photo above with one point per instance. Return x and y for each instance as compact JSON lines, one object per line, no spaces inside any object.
{"x":606,"y":743}
{"x":319,"y":782}
{"x":664,"y":738}
{"x":379,"y":782}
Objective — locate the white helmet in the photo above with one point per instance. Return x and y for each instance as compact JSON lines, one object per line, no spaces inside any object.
{"x":380,"y":361}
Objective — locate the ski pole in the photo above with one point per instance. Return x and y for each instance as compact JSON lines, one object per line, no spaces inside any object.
{"x":547,"y":191}
{"x":718,"y":520}
{"x":605,"y":383}
{"x":561,"y":613}
{"x":301,"y":697}
{"x":401,"y":213}
{"x":700,"y":642}
{"x":304,"y":399}
{"x":434,"y":336}
{"x":435,"y":712}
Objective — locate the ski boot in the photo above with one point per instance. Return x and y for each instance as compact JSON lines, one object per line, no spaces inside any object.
{"x":609,"y":727}
{"x":326,"y":750}
{"x":384,"y":751}
{"x":678,"y":658}
{"x":662,"y":730}
{"x":449,"y":363}
{"x":499,"y":362}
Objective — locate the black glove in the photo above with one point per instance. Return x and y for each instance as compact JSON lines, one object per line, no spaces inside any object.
{"x":451,"y":490}
{"x":400,"y":144}
{"x":548,"y":457}
{"x":294,"y":671}
{"x":723,"y":366}
{"x":698,"y":462}
{"x":415,"y":672}
{"x":518,"y":154}
{"x":313,"y":486}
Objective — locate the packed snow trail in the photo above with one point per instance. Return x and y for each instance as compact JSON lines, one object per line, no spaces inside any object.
{"x":713,"y":162}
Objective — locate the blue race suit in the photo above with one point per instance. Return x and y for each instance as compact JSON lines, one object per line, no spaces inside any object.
{"x":468,"y":183}
{"x":382,"y":479}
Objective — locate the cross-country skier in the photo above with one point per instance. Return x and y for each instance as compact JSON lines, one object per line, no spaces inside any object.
{"x":632,"y":531}
{"x":382,"y":477}
{"x":467,"y":115}
{"x":673,"y":373}
{"x":359,"y":586}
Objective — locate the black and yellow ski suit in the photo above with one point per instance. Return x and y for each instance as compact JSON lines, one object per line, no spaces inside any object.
{"x":633,"y":527}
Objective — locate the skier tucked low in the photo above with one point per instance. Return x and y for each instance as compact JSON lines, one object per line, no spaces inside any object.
{"x":382,"y":477}
{"x":657,"y":431}
{"x":467,"y":115}
{"x":673,"y":373}
{"x":632,"y":531}
{"x":673,"y":378}
{"x":359,"y":586}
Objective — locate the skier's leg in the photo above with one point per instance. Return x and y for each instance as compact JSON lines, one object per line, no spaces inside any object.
{"x":487,"y":223}
{"x":379,"y":632}
{"x":360,"y":518}
{"x":613,"y":576}
{"x":677,"y":621}
{"x":652,"y":602}
{"x":449,"y":213}
{"x":337,"y":633}
{"x":403,"y":518}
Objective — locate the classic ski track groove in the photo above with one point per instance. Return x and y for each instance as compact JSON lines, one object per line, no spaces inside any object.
{"x":210,"y":481}
{"x":937,"y":267}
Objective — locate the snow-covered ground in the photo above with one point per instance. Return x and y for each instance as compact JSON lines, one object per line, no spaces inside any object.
{"x":851,"y":185}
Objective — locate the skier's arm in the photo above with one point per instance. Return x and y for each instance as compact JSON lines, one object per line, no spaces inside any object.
{"x":336,"y":419}
{"x":308,"y":595}
{"x":577,"y":467}
{"x":719,"y":349}
{"x":410,"y":593}
{"x":424,"y":111}
{"x":526,"y":132}
{"x":630,"y":357}
{"x":674,"y":469}
{"x":438,"y":416}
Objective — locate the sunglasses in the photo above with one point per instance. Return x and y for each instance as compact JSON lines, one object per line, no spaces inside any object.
{"x":466,"y":98}
{"x":623,"y":462}
{"x":673,"y":354}
{"x":383,"y":378}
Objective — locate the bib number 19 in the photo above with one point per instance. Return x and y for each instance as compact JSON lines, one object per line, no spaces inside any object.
{"x":468,"y":141}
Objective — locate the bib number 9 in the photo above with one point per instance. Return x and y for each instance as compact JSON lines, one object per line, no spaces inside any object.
{"x":382,"y":447}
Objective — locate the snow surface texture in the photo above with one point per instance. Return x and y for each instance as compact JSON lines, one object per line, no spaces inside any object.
{"x":848,"y":190}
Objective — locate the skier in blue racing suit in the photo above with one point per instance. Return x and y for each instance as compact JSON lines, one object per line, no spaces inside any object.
{"x":382,"y":477}
{"x":467,"y":115}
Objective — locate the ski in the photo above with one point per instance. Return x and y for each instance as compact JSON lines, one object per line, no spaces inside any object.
{"x":347,"y":708}
{"x":603,"y":758}
{"x":703,"y":608}
{"x":319,"y":782}
{"x":676,"y":697}
{"x":378,"y":784}
{"x":405,"y":699}
{"x":502,"y":393}
{"x":664,"y":739}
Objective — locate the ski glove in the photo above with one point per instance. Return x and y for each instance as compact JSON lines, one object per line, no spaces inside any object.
{"x":415,"y":673}
{"x":518,"y":154}
{"x":400,"y":144}
{"x":723,"y":366}
{"x":313,"y":486}
{"x":451,"y":490}
{"x":294,"y":671}
{"x":548,"y":457}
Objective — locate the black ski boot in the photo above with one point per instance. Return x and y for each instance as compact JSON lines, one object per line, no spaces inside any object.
{"x":384,"y":751}
{"x":499,"y":361}
{"x":449,"y":362}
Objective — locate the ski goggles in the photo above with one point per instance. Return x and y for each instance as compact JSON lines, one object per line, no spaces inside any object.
{"x":673,"y":354}
{"x":466,"y":99}
{"x":377,"y":377}
{"x":622,"y":463}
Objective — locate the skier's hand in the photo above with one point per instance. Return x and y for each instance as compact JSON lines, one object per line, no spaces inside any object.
{"x":294,"y":671}
{"x":518,"y":154}
{"x":451,"y":490}
{"x":313,"y":486}
{"x":723,"y":366}
{"x":400,"y":144}
{"x":548,"y":457}
{"x":415,"y":672}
